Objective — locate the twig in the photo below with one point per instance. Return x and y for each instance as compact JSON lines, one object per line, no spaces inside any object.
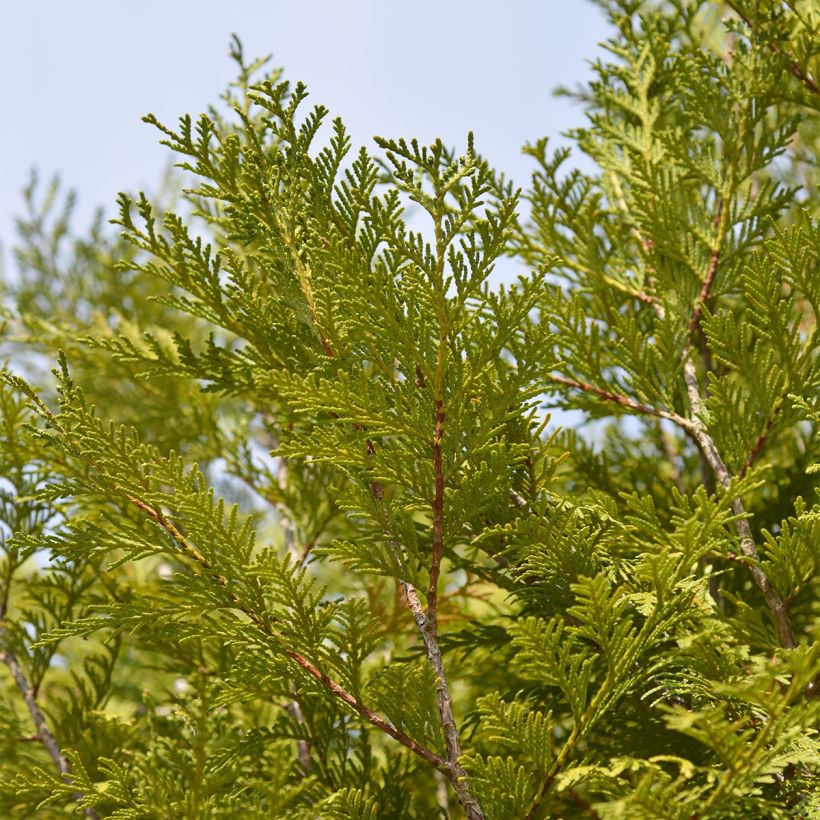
{"x":445,"y":704}
{"x":454,"y":772}
{"x":438,"y":511}
{"x":302,"y":745}
{"x":706,"y":286}
{"x":43,"y":733}
{"x":369,"y":715}
{"x":623,"y":401}
{"x":706,"y":444}
{"x":697,"y":430}
{"x":747,"y":543}
{"x":427,"y":623}
{"x":761,"y":440}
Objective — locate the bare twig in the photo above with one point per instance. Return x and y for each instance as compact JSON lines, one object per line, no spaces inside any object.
{"x":706,"y":444}
{"x":697,"y":430}
{"x":457,"y":775}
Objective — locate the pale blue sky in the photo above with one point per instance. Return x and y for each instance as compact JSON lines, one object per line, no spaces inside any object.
{"x":76,"y":77}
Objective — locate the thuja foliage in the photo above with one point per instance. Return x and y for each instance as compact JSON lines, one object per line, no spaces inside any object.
{"x":294,"y":536}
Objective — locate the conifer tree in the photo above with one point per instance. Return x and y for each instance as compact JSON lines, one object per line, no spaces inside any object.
{"x":290,"y":533}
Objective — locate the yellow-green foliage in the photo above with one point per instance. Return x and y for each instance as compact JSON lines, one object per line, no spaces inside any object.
{"x":290,"y":537}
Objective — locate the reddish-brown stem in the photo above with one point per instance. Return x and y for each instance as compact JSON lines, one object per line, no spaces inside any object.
{"x":623,"y":401}
{"x":261,"y":622}
{"x":369,"y":715}
{"x":327,"y":348}
{"x":705,"y":288}
{"x":754,"y":452}
{"x":450,"y":768}
{"x":427,"y":630}
{"x":761,"y":440}
{"x":438,"y":525}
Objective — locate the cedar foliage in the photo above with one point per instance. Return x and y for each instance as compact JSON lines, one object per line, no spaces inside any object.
{"x":293,"y":536}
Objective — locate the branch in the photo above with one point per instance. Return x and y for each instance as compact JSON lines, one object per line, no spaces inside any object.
{"x":706,"y":286}
{"x":369,"y":715}
{"x":707,"y":446}
{"x":697,"y":430}
{"x":438,"y":511}
{"x":761,"y":440}
{"x":427,"y":625}
{"x":43,"y":733}
{"x":747,"y":543}
{"x":334,"y":688}
{"x":793,"y":66}
{"x":453,"y":771}
{"x":623,"y":401}
{"x":456,"y":774}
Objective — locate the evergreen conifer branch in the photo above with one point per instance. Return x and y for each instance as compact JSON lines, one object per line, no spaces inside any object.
{"x":29,"y":695}
{"x":417,"y":601}
{"x":706,"y":443}
{"x":623,"y":401}
{"x":793,"y":66}
{"x":264,"y":623}
{"x":42,"y":731}
{"x":429,"y":635}
{"x":16,"y":554}
{"x":747,"y":542}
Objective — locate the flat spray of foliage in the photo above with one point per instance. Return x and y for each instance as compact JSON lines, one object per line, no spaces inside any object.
{"x":413,"y":601}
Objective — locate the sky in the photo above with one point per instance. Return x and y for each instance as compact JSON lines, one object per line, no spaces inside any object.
{"x":76,"y":78}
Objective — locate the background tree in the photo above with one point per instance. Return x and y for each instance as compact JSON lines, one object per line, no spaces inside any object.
{"x":414,"y":601}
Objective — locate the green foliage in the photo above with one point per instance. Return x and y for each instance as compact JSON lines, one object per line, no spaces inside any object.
{"x":290,"y":533}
